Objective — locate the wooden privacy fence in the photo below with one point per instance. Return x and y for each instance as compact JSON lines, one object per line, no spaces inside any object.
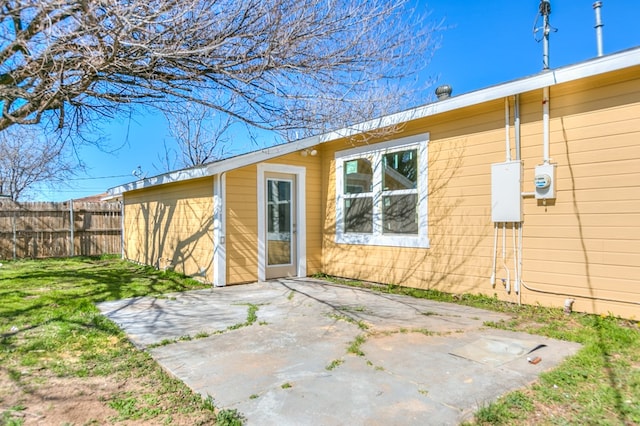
{"x":47,"y":229}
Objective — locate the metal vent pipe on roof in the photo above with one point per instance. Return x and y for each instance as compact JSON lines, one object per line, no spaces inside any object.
{"x":596,"y":7}
{"x":444,"y":91}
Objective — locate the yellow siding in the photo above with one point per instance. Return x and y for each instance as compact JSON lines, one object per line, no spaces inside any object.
{"x":172,"y":225}
{"x":242,"y":225}
{"x":242,"y":219}
{"x":585,"y":244}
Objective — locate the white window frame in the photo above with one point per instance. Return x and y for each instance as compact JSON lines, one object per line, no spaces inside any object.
{"x":377,"y":237}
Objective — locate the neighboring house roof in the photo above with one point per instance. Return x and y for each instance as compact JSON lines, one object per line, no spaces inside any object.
{"x":547,"y":78}
{"x":96,"y":198}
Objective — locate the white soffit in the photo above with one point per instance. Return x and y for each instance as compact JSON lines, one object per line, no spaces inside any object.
{"x":612,"y":62}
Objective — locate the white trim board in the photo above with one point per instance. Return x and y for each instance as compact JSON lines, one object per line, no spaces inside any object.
{"x":219,"y":231}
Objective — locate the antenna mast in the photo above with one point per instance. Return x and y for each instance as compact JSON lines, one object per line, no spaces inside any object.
{"x":544,"y":10}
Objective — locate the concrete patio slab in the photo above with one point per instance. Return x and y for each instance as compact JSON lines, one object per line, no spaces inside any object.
{"x":415,"y":360}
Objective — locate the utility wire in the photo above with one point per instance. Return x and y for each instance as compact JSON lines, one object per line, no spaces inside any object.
{"x":100,"y":177}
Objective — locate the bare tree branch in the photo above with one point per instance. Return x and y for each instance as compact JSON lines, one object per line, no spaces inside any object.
{"x":30,"y":158}
{"x":201,"y":135}
{"x":268,"y":63}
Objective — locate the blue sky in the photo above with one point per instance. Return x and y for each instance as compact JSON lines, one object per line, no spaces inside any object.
{"x":486,"y":43}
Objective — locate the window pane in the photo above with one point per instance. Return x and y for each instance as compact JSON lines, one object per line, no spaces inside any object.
{"x":400,"y":170}
{"x":279,"y":217}
{"x":358,"y":176}
{"x":278,"y":190}
{"x":279,"y":222}
{"x":399,"y":214}
{"x":358,"y":215}
{"x":278,"y":206}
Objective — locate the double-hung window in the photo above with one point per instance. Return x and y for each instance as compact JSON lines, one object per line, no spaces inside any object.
{"x":381,"y":193}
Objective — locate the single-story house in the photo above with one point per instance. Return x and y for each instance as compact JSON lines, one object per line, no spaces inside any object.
{"x":529,"y":190}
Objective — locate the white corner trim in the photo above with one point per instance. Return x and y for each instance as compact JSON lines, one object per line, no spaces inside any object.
{"x":219,"y":231}
{"x":301,"y":215}
{"x":122,"y":229}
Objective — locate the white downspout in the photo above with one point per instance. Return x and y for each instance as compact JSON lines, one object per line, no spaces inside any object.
{"x":219,"y":228}
{"x":122,"y":222}
{"x":518,"y":226}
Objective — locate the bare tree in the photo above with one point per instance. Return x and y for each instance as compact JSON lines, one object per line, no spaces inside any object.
{"x":281,"y":65}
{"x":30,"y":158}
{"x":201,"y":136}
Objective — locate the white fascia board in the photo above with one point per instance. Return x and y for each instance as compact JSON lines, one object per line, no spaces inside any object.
{"x":176,"y":176}
{"x":224,"y":165}
{"x":547,"y":78}
{"x":267,"y":154}
{"x":612,"y":62}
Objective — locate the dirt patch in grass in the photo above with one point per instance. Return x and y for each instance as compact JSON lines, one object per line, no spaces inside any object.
{"x":39,"y":399}
{"x":58,"y":400}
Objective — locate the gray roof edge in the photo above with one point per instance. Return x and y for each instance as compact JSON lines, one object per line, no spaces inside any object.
{"x":547,"y":78}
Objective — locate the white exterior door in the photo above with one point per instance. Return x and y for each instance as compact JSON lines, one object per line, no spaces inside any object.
{"x":281,"y":225}
{"x":282,"y":235}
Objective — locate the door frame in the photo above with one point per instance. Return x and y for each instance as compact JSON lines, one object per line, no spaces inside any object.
{"x":300,"y":215}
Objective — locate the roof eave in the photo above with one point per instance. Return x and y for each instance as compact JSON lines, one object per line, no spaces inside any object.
{"x":546,"y":78}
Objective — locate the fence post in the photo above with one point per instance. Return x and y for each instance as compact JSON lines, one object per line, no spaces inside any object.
{"x":71,"y":228}
{"x":15,"y":236}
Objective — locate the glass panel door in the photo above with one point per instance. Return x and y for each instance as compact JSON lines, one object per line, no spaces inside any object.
{"x":280,"y":217}
{"x":279,"y":222}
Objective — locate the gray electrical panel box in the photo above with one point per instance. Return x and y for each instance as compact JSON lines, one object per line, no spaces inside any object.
{"x":506,"y":192}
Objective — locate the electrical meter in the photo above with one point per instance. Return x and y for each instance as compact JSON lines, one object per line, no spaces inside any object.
{"x":545,"y":181}
{"x":542,"y":181}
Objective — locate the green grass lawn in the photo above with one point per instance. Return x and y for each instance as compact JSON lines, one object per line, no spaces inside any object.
{"x":62,"y":362}
{"x":53,"y":340}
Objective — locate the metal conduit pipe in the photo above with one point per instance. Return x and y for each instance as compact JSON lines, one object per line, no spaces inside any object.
{"x":495,"y":255}
{"x":559,"y":293}
{"x":507,"y":282}
{"x":507,"y":117}
{"x":516,"y":124}
{"x":545,"y":125}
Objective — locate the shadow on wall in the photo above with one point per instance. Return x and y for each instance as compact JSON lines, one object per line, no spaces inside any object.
{"x":241,"y":245}
{"x":171,"y":238}
{"x":456,"y":231}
